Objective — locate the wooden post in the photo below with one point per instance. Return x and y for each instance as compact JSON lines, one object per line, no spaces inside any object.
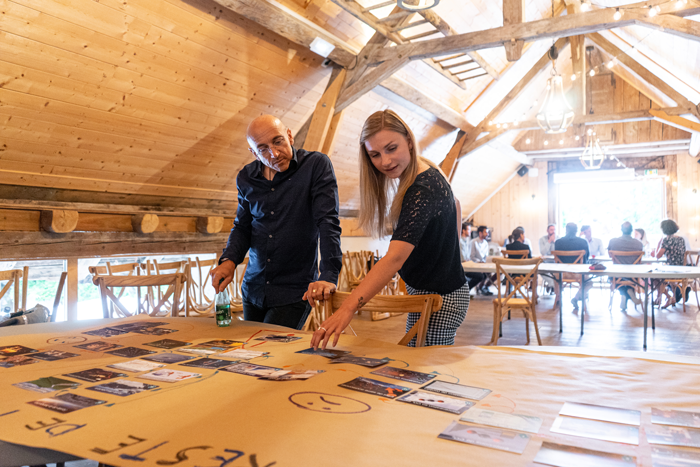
{"x":144,"y":223}
{"x":72,"y":289}
{"x":58,"y":221}
{"x":321,"y":119}
{"x":449,"y":164}
{"x":513,"y":13}
{"x":578,"y":60}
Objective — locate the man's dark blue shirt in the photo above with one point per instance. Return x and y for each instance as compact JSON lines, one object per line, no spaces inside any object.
{"x":281,"y":221}
{"x":571,"y":243}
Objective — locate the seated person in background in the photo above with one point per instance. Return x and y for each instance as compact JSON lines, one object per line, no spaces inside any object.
{"x":626,"y":243}
{"x":517,"y":244}
{"x":641,"y":235}
{"x":546,"y":247}
{"x":595,"y":245}
{"x":526,"y":241}
{"x":465,"y":241}
{"x":478,"y":252}
{"x":674,"y":248}
{"x":570,"y":242}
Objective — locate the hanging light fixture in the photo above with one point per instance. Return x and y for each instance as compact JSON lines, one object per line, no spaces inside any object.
{"x":555,"y":115}
{"x":417,"y":5}
{"x":593,"y":156}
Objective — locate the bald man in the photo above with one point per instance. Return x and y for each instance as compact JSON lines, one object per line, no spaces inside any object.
{"x":287,"y":204}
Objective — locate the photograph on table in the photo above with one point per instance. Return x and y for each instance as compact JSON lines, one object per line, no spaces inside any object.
{"x":278,"y":338}
{"x":561,"y":455}
{"x":596,"y":429}
{"x":292,"y":375}
{"x":373,"y":386}
{"x":503,"y":440}
{"x":436,"y":401}
{"x":154,"y":331}
{"x":249,"y":369}
{"x":106,"y":332}
{"x":168,"y":344}
{"x":95,"y":375}
{"x":47,"y":384}
{"x":674,"y":436}
{"x":136,"y":366}
{"x":122,"y":387}
{"x":212,"y":347}
{"x":328,"y":353}
{"x":362,"y":361}
{"x":404,"y":375}
{"x":17,"y":360}
{"x":131,"y":352}
{"x":211,"y":363}
{"x":457,"y":390}
{"x":98,"y":346}
{"x":169,"y":376}
{"x":670,"y":457}
{"x":168,"y":358}
{"x":675,"y":418}
{"x":242,"y":354}
{"x":66,"y":403}
{"x":602,"y":413}
{"x":138,"y":325}
{"x":53,"y":355}
{"x":511,"y":421}
{"x":12,"y":350}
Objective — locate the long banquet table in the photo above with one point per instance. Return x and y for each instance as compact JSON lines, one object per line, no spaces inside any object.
{"x":224,"y":419}
{"x":646,"y":272}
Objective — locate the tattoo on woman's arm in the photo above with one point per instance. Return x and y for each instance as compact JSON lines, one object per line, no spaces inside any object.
{"x":360,"y":302}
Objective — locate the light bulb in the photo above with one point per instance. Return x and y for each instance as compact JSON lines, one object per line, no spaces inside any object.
{"x":577,"y":137}
{"x":561,"y":141}
{"x":505,"y":126}
{"x":498,"y":125}
{"x":546,"y":142}
{"x":652,"y":11}
{"x":585,"y":5}
{"x":619,"y":164}
{"x":617,"y":15}
{"x":592,"y":73}
{"x":573,"y":77}
{"x":490,"y":122}
{"x":534,"y":103}
{"x":527,"y":141}
{"x":590,"y":132}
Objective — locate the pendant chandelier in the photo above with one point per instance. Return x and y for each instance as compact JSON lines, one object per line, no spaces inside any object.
{"x":555,"y":115}
{"x":593,"y":156}
{"x":417,"y":5}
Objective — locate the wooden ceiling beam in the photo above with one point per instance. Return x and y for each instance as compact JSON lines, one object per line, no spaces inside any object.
{"x":367,"y":82}
{"x":564,"y":26}
{"x":643,"y":72}
{"x":323,"y":114}
{"x":670,"y":24}
{"x":385,"y":30}
{"x":675,"y":121}
{"x":513,"y":13}
{"x":442,"y":26}
{"x":449,"y":164}
{"x":290,"y":25}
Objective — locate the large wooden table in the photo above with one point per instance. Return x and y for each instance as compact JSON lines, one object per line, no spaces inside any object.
{"x":645,"y":272}
{"x":223,"y":416}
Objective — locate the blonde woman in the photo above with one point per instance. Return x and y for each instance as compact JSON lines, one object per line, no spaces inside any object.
{"x":401,"y":189}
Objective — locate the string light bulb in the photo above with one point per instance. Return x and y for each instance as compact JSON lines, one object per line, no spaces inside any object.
{"x":592,"y":73}
{"x":527,"y":141}
{"x":586,"y":5}
{"x":546,"y":142}
{"x":577,"y":137}
{"x":618,"y":14}
{"x":652,"y":11}
{"x":680,"y":3}
{"x":611,"y":64}
{"x":573,"y":77}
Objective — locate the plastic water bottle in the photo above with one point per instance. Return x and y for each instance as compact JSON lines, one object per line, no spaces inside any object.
{"x":223,"y":308}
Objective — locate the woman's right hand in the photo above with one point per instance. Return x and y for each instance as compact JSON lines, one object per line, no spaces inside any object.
{"x":335,"y":324}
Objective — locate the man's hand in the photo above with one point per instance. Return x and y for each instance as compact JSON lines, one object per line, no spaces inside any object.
{"x":319,"y":290}
{"x":222,"y":275}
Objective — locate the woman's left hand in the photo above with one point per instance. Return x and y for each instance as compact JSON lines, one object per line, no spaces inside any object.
{"x":333,"y":325}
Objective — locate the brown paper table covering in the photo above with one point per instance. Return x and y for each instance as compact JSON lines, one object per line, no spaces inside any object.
{"x":222,"y":416}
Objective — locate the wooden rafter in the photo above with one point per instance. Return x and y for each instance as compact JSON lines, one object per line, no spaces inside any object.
{"x":513,"y":13}
{"x":643,"y":72}
{"x":368,"y":82}
{"x":449,"y":164}
{"x":564,"y":26}
{"x":676,"y":121}
{"x":389,"y":32}
{"x":323,"y":114}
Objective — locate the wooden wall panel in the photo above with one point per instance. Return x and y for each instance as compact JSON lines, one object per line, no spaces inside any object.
{"x":514,"y":206}
{"x":688,"y":206}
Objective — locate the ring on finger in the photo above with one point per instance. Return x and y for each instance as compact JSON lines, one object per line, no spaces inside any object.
{"x":324,"y":329}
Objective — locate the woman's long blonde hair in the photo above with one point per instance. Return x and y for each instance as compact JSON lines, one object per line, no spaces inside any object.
{"x":376,"y":217}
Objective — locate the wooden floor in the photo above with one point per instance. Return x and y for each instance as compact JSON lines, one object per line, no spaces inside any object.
{"x":676,"y":332}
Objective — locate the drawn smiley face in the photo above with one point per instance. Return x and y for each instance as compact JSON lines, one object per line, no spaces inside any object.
{"x":328,"y":403}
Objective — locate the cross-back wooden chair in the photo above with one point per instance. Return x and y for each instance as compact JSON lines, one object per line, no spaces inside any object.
{"x":568,"y":279}
{"x":156,"y":293}
{"x":173,"y":282}
{"x":691,"y":259}
{"x":59,"y":294}
{"x":13,"y":277}
{"x":426,"y":305}
{"x":126,"y":269}
{"x":520,"y":284}
{"x":617,"y":282}
{"x":200,"y":292}
{"x":234,"y":287}
{"x":515,"y":254}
